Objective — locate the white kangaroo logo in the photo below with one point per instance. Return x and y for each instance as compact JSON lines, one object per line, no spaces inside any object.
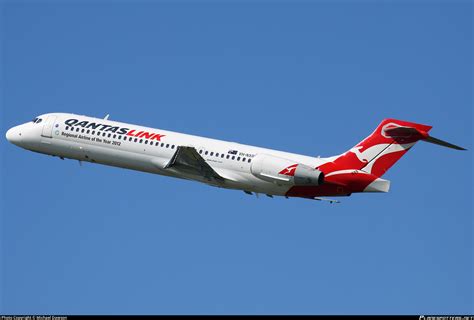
{"x":360,"y":155}
{"x":370,"y":153}
{"x":377,"y":151}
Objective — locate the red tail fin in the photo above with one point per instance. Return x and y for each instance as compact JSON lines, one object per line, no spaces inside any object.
{"x":379,"y":151}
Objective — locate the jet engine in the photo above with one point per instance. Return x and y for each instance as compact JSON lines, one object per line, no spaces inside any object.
{"x":285,"y":172}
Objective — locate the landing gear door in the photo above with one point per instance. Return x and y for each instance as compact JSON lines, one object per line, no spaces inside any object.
{"x":48,"y":127}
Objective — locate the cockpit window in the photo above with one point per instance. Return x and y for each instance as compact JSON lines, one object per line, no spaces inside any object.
{"x":37,"y":120}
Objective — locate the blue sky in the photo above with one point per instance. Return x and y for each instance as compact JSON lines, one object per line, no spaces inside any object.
{"x":312,"y":78}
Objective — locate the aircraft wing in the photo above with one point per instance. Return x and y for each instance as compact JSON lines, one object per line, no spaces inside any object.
{"x":188,"y":160}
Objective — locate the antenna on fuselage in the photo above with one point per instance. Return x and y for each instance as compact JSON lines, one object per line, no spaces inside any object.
{"x":107,"y":117}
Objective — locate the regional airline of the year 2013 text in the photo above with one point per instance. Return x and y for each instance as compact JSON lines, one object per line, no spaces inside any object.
{"x":224,"y":164}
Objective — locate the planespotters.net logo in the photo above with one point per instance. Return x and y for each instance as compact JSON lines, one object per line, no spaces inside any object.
{"x":446,"y":318}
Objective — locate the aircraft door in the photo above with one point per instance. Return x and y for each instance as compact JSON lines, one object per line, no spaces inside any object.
{"x":48,"y":127}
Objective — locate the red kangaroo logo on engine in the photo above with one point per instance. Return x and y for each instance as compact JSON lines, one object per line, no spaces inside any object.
{"x":289,"y":171}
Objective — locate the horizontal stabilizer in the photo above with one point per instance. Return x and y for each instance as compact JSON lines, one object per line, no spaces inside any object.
{"x":404,"y":132}
{"x":400,"y":133}
{"x":443,"y":143}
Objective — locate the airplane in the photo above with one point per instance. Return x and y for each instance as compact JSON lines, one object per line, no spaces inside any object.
{"x":224,"y":164}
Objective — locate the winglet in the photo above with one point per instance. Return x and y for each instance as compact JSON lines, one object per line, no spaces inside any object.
{"x":106,"y":117}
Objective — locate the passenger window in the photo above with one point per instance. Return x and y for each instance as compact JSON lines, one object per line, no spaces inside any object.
{"x":77,"y":129}
{"x":222,"y":155}
{"x":104,"y":134}
{"x":243,"y":159}
{"x":146,"y":141}
{"x":206,"y":153}
{"x":167,"y":145}
{"x":141,"y":140}
{"x":228,"y":157}
{"x":119,"y":137}
{"x":162,"y":144}
{"x":233,"y":157}
{"x":200,"y":151}
{"x":212,"y":153}
{"x":217,"y":154}
{"x":115,"y":136}
{"x":172,"y":146}
{"x":109,"y":135}
{"x":238,"y":158}
{"x":249,"y":160}
{"x":67,"y":128}
{"x":82,"y":130}
{"x":136,"y":139}
{"x":88,"y":131}
{"x":157,"y":144}
{"x":93,"y":132}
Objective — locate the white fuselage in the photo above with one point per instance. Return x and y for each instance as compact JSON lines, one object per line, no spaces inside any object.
{"x":147,"y":149}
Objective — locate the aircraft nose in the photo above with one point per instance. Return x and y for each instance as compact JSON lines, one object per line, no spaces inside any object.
{"x":14,"y":135}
